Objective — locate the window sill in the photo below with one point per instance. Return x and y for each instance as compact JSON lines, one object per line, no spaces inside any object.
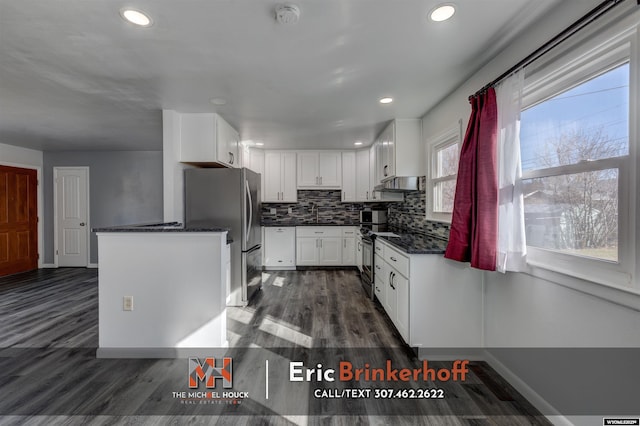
{"x":621,"y":295}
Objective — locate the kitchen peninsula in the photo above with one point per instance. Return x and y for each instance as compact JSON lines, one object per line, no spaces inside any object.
{"x":162,"y":290}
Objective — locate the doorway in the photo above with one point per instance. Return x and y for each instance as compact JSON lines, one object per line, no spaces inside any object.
{"x":18,"y":220}
{"x":71,"y":216}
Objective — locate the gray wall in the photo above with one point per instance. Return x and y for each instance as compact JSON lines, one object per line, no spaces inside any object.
{"x":125,"y":187}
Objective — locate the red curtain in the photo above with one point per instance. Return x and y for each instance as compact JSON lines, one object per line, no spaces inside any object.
{"x":474,"y":225}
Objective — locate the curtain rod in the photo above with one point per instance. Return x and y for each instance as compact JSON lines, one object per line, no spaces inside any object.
{"x":591,"y":16}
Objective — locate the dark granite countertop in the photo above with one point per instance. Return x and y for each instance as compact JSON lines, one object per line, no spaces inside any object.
{"x":165,"y":227}
{"x":415,"y":243}
{"x":299,"y":223}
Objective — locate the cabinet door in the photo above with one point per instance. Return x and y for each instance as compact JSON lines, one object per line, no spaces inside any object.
{"x":288,"y":184}
{"x":330,"y":251}
{"x":307,"y":251}
{"x":362,"y":175}
{"x":197,"y":138}
{"x":226,"y":143}
{"x":390,"y":152}
{"x":349,"y":171}
{"x":279,"y":247}
{"x":391,"y":294}
{"x":349,"y":251}
{"x":401,"y":320}
{"x":381,"y":281}
{"x":308,"y":174}
{"x":330,"y":169}
{"x":272,"y":177}
{"x":373,"y":170}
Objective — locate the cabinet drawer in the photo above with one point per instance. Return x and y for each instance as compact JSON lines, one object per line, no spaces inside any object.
{"x":349,"y":231}
{"x":397,"y":260}
{"x":319,"y":231}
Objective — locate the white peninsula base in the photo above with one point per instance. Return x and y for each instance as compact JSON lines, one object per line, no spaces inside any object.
{"x":177,"y":283}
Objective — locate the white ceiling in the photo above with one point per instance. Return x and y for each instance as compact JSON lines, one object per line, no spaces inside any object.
{"x":74,"y":75}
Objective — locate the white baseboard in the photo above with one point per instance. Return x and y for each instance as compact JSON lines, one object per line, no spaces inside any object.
{"x":48,"y":265}
{"x":525,"y":390}
{"x":92,"y":265}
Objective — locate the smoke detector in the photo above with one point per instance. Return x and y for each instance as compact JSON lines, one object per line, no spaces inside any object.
{"x":287,"y":14}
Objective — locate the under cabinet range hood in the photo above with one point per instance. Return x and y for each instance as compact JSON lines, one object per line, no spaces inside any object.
{"x":400,"y":184}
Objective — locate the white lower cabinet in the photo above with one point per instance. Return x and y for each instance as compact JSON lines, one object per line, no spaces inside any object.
{"x":432,"y":301}
{"x":318,"y":246}
{"x":280,"y":247}
{"x":326,"y":245}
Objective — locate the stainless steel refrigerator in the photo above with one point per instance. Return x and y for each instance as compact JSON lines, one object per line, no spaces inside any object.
{"x":230,"y":198}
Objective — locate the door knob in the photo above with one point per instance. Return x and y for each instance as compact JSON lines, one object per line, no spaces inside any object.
{"x":81,"y":223}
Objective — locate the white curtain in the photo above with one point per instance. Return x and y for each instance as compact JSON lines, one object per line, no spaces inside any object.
{"x":512,"y":247}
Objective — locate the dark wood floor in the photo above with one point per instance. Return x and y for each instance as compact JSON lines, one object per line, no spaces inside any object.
{"x":49,"y":373}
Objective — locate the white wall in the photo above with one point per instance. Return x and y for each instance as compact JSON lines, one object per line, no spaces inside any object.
{"x":521,"y":310}
{"x":29,"y":159}
{"x":172,"y":169}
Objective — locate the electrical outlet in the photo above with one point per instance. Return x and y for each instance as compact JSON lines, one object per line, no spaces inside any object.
{"x":127,"y":303}
{"x":272,"y":211}
{"x":290,"y":210}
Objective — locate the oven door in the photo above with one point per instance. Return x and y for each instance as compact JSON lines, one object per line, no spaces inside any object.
{"x":367,"y":265}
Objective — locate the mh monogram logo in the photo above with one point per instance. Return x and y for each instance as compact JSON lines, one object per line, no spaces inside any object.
{"x":208,"y":372}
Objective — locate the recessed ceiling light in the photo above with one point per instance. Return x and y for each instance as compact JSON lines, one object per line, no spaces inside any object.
{"x":442,"y":12}
{"x":259,"y":143}
{"x":386,"y":100}
{"x":358,"y":143}
{"x":136,"y":17}
{"x":218,"y":101}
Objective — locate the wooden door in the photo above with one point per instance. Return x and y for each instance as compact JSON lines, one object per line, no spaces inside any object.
{"x":18,"y":220}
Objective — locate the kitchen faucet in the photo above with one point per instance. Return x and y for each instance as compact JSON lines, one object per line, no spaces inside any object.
{"x":314,"y":207}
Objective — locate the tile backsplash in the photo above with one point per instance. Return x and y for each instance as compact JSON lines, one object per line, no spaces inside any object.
{"x":411,"y":214}
{"x":327,"y":204}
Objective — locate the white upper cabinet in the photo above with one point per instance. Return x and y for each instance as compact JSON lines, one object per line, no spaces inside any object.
{"x":373,"y":195}
{"x":319,"y":169}
{"x":207,"y":139}
{"x":363,"y":189}
{"x":280,"y":177}
{"x":349,"y":176}
{"x":398,"y":150}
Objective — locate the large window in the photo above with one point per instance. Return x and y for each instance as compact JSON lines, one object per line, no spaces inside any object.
{"x":444,"y":152}
{"x":575,"y":144}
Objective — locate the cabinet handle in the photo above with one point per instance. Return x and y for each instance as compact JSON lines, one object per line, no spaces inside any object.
{"x":367,"y":197}
{"x":231,"y":158}
{"x":393,"y":258}
{"x":390,"y":273}
{"x":344,"y":195}
{"x":393,"y":276}
{"x":319,"y":232}
{"x":320,"y":180}
{"x":384,"y":170}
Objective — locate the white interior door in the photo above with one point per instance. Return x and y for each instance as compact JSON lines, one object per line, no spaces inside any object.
{"x":72,"y":213}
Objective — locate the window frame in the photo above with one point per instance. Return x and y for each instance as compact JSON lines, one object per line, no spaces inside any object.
{"x":445,"y":139}
{"x":604,"y":52}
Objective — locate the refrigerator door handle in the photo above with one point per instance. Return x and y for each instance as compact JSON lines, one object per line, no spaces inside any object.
{"x":250,"y":221}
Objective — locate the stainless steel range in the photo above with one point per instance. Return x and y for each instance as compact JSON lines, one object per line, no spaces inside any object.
{"x":367,"y":231}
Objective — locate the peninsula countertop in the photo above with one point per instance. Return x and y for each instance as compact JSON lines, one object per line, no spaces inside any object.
{"x":165,"y":227}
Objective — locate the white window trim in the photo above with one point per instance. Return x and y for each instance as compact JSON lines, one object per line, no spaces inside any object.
{"x":614,"y":281}
{"x":441,"y":140}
